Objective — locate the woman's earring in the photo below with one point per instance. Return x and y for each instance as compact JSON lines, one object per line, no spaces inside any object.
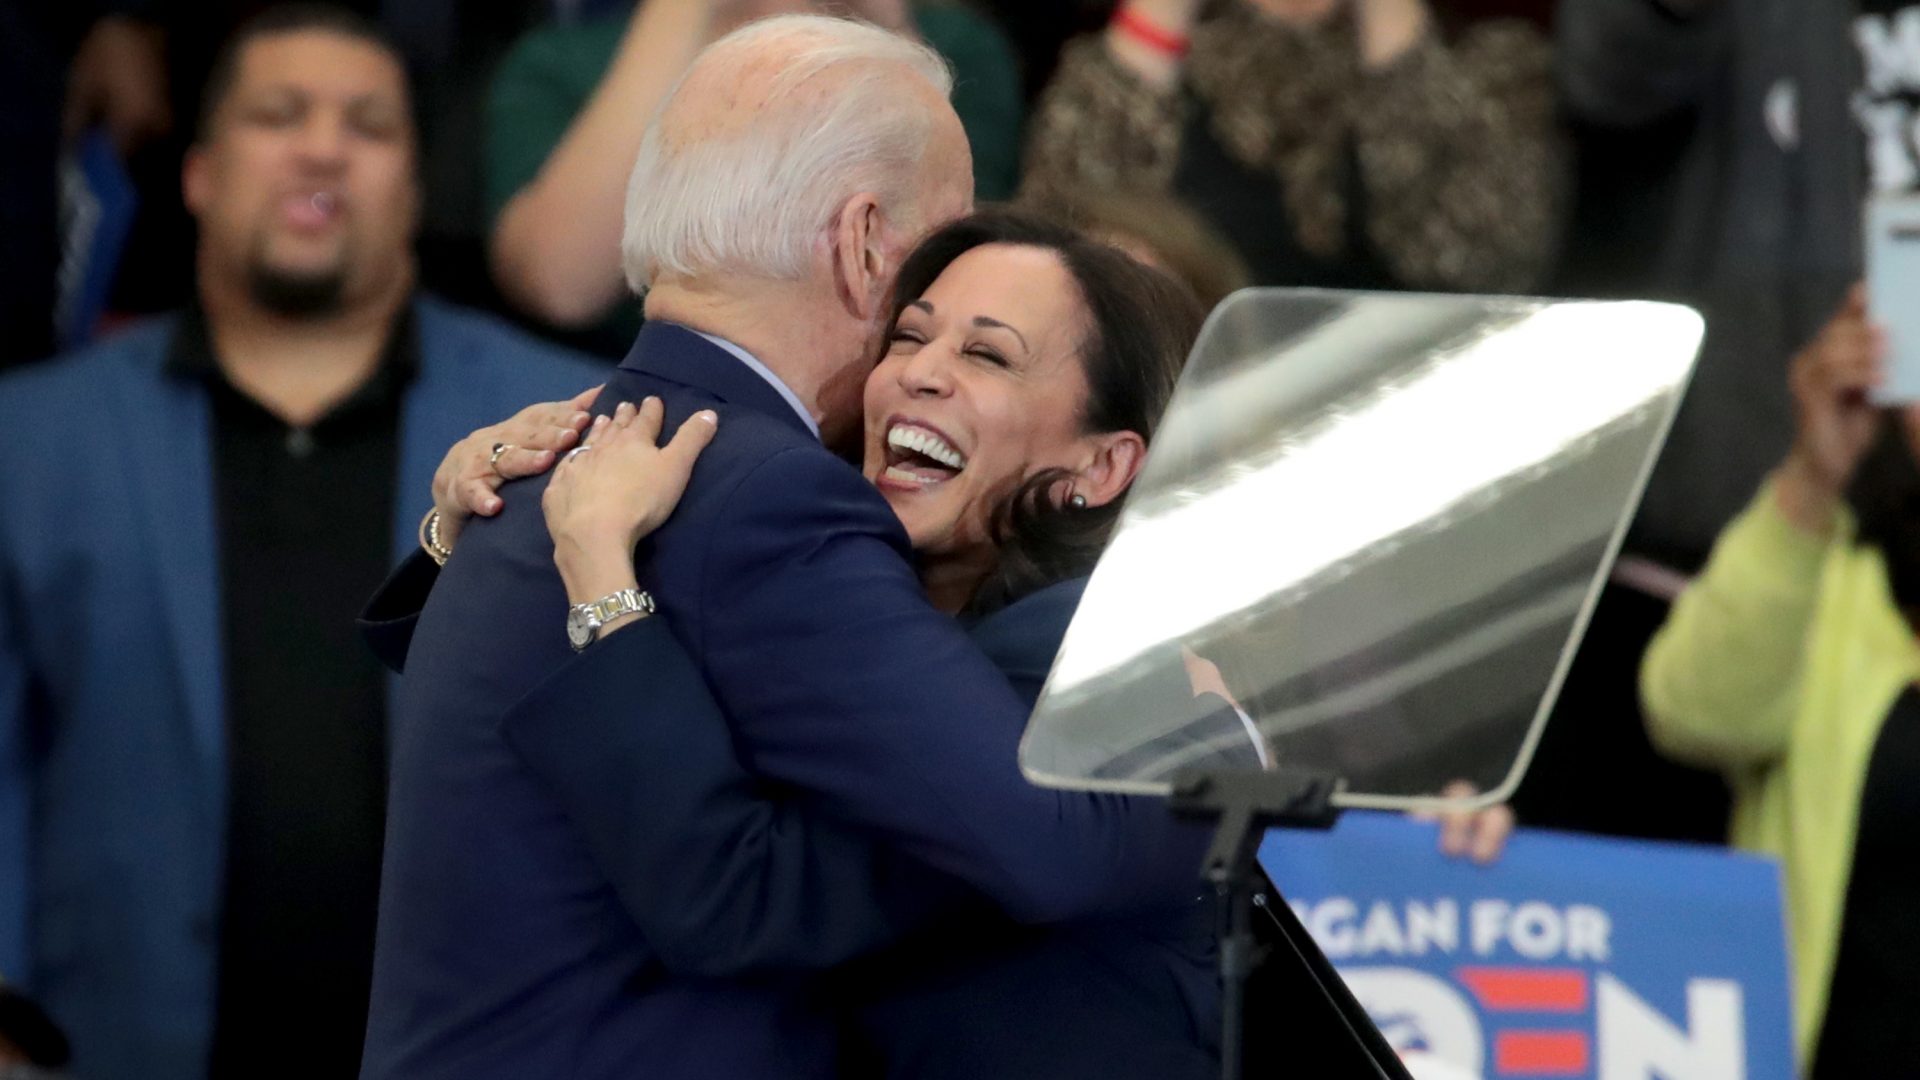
{"x":1078,"y":501}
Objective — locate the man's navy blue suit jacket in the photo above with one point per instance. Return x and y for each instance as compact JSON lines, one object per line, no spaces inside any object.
{"x":1112,"y":998}
{"x":505,"y":949}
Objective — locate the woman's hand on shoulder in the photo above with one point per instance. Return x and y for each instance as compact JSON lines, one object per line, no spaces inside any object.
{"x":527,"y":444}
{"x":615,"y":489}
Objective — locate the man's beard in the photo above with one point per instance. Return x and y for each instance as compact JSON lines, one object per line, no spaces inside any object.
{"x":296,"y":294}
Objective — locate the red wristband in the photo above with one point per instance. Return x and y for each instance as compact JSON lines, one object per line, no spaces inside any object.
{"x":1148,"y":33}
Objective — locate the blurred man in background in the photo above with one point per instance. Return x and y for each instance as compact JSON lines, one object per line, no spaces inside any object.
{"x":192,"y":739}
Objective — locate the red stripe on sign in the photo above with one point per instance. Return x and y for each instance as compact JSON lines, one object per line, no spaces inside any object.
{"x":1527,"y":989}
{"x":1540,"y":1053}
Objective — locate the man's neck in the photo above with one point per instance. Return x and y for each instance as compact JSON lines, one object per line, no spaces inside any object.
{"x":298,"y":368}
{"x":777,"y":322}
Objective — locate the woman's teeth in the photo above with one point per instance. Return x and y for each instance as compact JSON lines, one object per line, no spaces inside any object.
{"x":925,"y":443}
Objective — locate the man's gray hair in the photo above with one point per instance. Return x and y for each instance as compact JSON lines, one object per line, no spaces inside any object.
{"x":751,"y":194}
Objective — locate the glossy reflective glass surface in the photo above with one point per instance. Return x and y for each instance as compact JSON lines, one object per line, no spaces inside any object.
{"x":1377,"y":522}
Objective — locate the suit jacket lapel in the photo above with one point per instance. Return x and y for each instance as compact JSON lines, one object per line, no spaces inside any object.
{"x":677,"y":354}
{"x":169,"y":459}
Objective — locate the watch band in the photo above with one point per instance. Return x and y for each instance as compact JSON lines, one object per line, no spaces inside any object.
{"x":585,"y":620}
{"x":624,"y":602}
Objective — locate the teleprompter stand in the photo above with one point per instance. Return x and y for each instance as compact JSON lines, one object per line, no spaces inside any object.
{"x":1311,"y":1026}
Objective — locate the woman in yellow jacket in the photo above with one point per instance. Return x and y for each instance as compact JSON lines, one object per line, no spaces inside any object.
{"x":1790,"y":665}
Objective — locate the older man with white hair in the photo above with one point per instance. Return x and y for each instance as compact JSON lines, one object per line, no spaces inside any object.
{"x":520,"y":934}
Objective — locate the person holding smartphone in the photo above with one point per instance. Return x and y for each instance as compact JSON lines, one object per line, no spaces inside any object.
{"x":1791,"y":665}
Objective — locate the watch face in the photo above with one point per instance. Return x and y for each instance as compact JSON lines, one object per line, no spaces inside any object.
{"x":579,"y":633}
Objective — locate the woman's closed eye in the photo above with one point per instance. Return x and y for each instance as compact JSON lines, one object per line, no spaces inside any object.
{"x":990,"y":355}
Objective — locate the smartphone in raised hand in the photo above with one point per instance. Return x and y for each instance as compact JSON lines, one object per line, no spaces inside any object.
{"x":1893,"y":290}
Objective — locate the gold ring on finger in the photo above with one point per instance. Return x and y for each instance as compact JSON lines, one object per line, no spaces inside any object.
{"x":493,"y":459}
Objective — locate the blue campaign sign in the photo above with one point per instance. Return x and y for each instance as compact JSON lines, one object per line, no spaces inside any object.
{"x":1571,"y":957}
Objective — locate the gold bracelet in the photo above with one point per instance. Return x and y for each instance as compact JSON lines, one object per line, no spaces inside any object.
{"x":430,"y":538}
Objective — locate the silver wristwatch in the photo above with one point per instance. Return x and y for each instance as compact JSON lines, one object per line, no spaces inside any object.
{"x":585,"y":620}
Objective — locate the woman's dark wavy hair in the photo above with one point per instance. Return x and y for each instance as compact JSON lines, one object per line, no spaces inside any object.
{"x":1885,"y":499}
{"x":1140,"y":325}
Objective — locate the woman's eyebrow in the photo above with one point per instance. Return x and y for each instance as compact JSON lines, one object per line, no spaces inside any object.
{"x":922,"y":305}
{"x":996,"y":324}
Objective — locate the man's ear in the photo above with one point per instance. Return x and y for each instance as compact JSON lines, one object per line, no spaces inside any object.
{"x":1115,"y":459}
{"x":195,"y":179}
{"x":862,"y":267}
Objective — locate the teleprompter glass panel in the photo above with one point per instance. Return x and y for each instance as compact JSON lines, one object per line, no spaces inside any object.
{"x":1377,"y":524}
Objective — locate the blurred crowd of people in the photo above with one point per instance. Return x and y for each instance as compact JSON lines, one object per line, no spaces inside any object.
{"x":1705,"y":151}
{"x":1377,"y":143}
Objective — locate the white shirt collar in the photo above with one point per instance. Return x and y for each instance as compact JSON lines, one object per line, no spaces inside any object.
{"x":766,"y":373}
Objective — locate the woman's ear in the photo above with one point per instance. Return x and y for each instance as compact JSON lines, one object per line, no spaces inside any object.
{"x":1115,"y":461}
{"x":861,"y":265}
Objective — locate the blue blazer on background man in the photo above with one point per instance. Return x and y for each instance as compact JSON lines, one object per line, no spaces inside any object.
{"x":112,"y":728}
{"x":505,"y":949}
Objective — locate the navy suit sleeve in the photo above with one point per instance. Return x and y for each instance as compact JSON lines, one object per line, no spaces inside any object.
{"x":842,"y":681}
{"x":388,"y":621}
{"x":722,"y":876}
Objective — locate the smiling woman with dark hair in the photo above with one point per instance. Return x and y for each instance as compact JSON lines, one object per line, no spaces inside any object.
{"x":1056,"y":383}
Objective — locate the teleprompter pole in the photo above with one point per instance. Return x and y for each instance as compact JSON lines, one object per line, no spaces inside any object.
{"x":1244,"y":805}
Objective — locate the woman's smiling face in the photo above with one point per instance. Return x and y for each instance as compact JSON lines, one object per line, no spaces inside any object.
{"x":981,"y":387}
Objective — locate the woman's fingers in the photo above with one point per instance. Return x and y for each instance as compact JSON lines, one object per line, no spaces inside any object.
{"x":523,"y":461}
{"x":546,"y":435}
{"x":1456,"y":833}
{"x":1854,"y":349}
{"x":584,"y":400}
{"x":596,"y":433}
{"x":476,"y":496}
{"x":1477,"y":834}
{"x":1854,"y":304}
{"x":526,"y":444}
{"x":693,"y":437}
{"x":1846,"y":361}
{"x":647,"y":424}
{"x":1203,"y":675}
{"x":634,"y":430}
{"x":622,"y":483}
{"x":546,"y":425}
{"x":1492,"y":828}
